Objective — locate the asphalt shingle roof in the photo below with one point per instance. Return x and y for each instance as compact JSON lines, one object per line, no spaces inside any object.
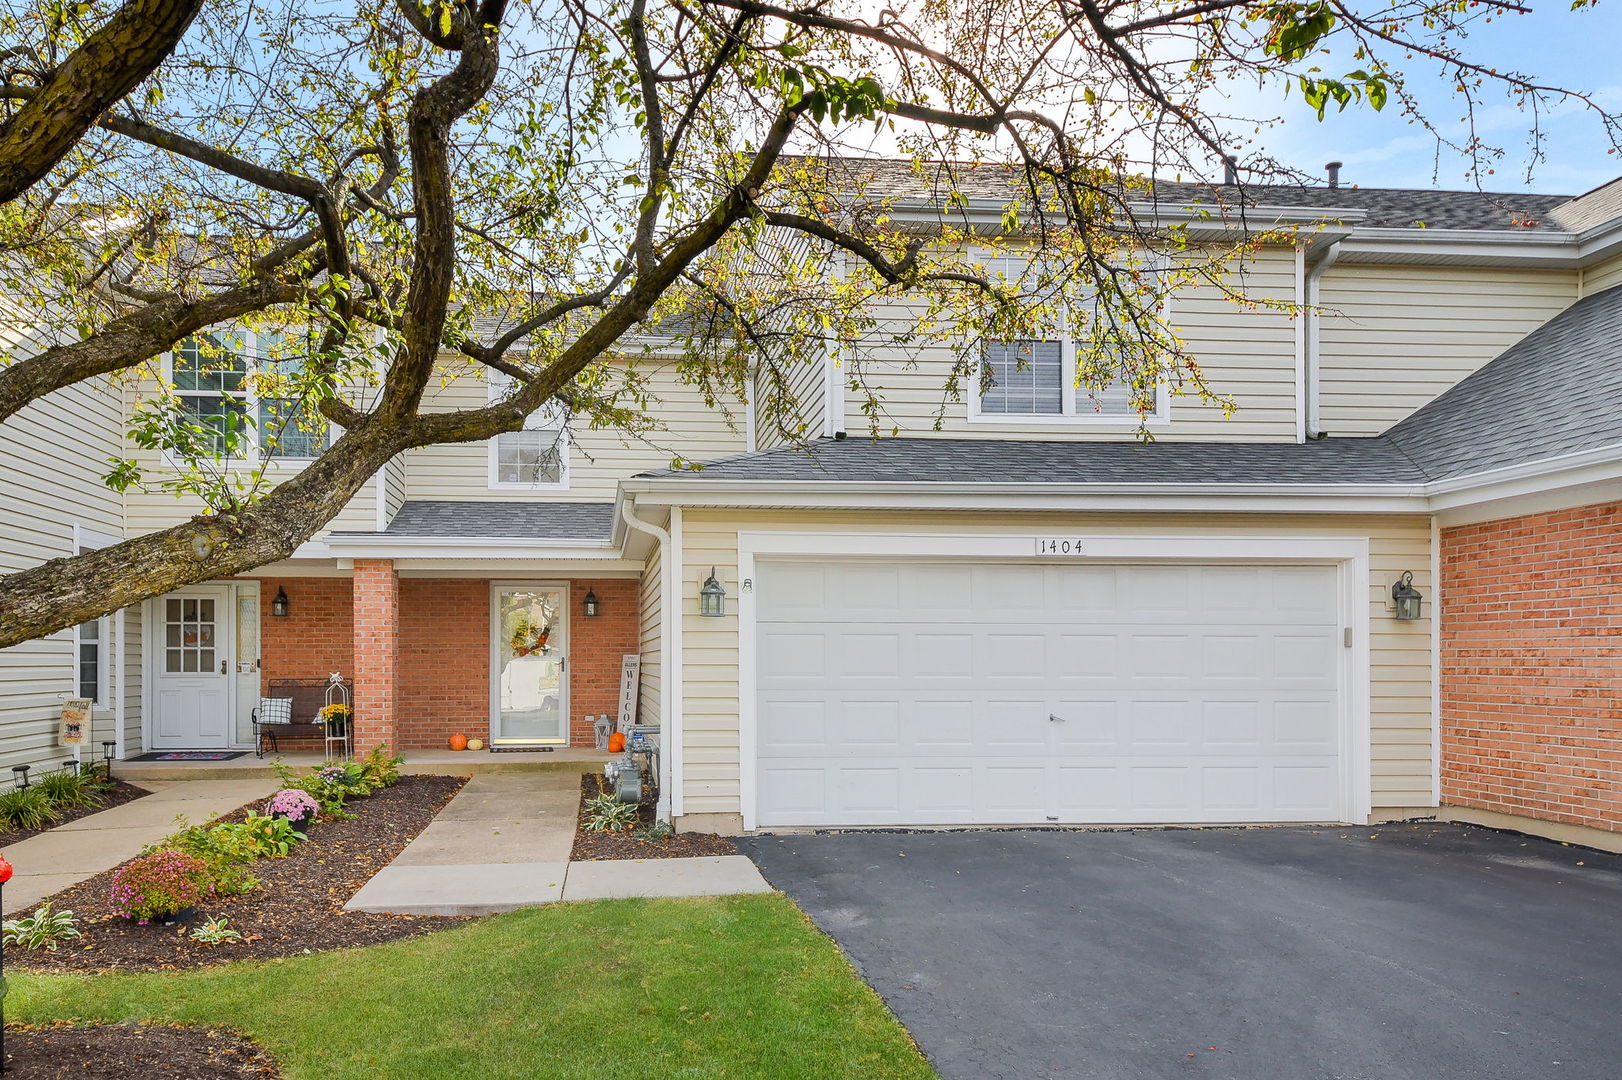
{"x":1401,"y":208}
{"x":515,"y":520}
{"x":1556,"y":391}
{"x":991,"y":461}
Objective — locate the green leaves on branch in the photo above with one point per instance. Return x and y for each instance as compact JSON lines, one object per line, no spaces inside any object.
{"x":827,"y":96}
{"x":1358,"y":86}
{"x":1296,"y":30}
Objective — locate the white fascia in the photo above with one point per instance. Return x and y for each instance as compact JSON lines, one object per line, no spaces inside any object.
{"x":371,"y":546}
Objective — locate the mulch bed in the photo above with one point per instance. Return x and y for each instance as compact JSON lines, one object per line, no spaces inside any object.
{"x":148,"y":1051}
{"x":119,"y":794}
{"x":597,"y":846}
{"x":298,"y":906}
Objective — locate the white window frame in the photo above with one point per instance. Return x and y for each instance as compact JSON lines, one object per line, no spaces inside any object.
{"x":548,"y":417}
{"x":1068,"y":415}
{"x":249,"y":396}
{"x":101,"y":698}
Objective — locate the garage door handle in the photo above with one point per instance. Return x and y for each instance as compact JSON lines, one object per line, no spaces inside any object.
{"x":1056,"y":718}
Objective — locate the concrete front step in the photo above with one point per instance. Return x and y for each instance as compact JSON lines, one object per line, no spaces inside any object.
{"x":433,"y":762}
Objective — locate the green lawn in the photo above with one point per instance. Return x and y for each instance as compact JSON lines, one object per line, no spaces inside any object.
{"x":735,"y":987}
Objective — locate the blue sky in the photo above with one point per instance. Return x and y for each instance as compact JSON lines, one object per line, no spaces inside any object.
{"x":1553,"y":44}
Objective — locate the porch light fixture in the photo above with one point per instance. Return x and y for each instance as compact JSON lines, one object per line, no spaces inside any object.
{"x":278,"y":606}
{"x":1406,"y":598}
{"x":590,"y":604}
{"x":712,"y":599}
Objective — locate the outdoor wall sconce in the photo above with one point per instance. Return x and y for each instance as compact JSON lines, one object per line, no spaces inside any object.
{"x":712,"y":599}
{"x":590,"y":604}
{"x":1406,"y":598}
{"x":19,"y":773}
{"x":278,"y":606}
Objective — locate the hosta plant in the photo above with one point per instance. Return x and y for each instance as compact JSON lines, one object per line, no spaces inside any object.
{"x":216,"y":931}
{"x":605,"y":813}
{"x":160,"y":884}
{"x":44,"y":929}
{"x":265,"y":837}
{"x":26,"y":808}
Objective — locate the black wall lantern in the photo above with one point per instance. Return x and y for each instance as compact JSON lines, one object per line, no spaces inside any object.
{"x":1406,"y":598}
{"x":590,"y":604}
{"x":712,"y":599}
{"x":278,"y":606}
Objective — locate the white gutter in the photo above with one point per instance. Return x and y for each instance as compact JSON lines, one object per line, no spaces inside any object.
{"x":670,"y":596}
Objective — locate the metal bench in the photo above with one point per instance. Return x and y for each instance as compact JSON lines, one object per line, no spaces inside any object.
{"x":308,"y":696}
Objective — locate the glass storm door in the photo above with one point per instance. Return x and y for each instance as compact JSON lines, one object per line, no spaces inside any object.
{"x":531,"y":700}
{"x":194,"y":662}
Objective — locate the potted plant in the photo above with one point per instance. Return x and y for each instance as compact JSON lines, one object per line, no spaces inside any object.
{"x":297,"y":807}
{"x":336,"y":717}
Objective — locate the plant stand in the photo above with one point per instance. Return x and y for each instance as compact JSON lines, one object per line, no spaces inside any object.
{"x":339,"y":737}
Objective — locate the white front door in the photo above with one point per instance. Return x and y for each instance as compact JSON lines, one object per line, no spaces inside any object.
{"x":529,"y":689}
{"x":930,"y":693}
{"x":194,"y":669}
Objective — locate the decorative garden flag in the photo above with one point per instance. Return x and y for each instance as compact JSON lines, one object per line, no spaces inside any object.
{"x":75,"y":720}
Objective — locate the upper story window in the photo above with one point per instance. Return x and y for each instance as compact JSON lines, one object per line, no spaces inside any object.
{"x":536,"y":458}
{"x":1036,"y":380}
{"x":241,"y":382}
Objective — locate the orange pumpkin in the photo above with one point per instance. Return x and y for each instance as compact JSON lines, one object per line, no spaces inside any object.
{"x":458,"y":741}
{"x":616,"y":742}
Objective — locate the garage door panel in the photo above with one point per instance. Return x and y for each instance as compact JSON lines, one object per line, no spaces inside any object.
{"x":1183,"y":693}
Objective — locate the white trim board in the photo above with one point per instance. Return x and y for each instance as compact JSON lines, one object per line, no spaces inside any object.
{"x":1349,"y":553}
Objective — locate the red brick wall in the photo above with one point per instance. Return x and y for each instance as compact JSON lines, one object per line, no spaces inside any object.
{"x":313,"y":640}
{"x":445,"y":657}
{"x":444,"y":660}
{"x":1531,"y":624}
{"x":377,"y":621}
{"x":599,"y":643}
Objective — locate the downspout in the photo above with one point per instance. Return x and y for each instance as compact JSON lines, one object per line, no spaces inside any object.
{"x":1312,"y":365}
{"x":668,"y":594}
{"x":1300,"y":343}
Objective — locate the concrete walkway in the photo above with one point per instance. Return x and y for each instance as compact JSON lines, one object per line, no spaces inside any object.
{"x":504,"y":843}
{"x":68,"y":854}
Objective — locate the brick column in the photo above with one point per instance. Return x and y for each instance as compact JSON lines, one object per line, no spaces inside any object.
{"x":377,"y":652}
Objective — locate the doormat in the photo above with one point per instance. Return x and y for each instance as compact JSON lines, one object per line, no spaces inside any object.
{"x":190,"y":755}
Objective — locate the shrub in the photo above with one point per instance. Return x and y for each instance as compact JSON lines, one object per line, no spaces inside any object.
{"x":70,"y":790}
{"x":605,"y":813}
{"x":26,"y":808}
{"x":216,"y":931}
{"x":329,"y":797}
{"x":263,"y":837}
{"x":160,"y":884}
{"x":381,"y":768}
{"x":297,"y":806}
{"x":44,"y":929}
{"x":657,"y":832}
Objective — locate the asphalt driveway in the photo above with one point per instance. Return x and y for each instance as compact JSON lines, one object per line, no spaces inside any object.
{"x":1429,"y":952}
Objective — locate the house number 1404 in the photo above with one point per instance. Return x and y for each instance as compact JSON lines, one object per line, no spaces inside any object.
{"x":1057,"y":545}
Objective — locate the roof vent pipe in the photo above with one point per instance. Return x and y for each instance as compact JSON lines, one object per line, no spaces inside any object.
{"x":1230,"y":170}
{"x":1333,"y":169}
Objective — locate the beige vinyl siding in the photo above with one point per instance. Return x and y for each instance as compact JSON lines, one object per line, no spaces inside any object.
{"x":807,"y":380}
{"x":134,"y":677}
{"x":1245,"y":352}
{"x":598,"y":459}
{"x":1394,"y":337}
{"x":652,"y":647}
{"x":1605,"y":275}
{"x":1399,"y":653}
{"x":52,"y":456}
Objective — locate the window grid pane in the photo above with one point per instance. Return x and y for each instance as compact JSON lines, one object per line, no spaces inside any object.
{"x":529,"y":457}
{"x":1027,"y":378}
{"x":290,"y":429}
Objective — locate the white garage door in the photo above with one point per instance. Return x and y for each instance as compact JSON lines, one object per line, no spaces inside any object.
{"x":919,"y":693}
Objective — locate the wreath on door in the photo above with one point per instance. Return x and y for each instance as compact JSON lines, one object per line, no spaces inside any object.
{"x":529,"y":636}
